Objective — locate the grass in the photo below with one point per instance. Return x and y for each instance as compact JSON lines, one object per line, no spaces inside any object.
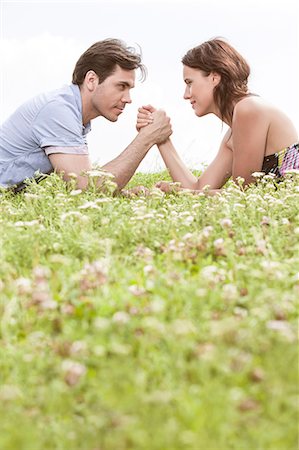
{"x":160,"y":322}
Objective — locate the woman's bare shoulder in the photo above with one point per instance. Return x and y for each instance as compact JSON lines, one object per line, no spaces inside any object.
{"x":252,"y":103}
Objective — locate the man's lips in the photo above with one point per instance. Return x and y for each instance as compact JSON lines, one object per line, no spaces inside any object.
{"x":119,"y":108}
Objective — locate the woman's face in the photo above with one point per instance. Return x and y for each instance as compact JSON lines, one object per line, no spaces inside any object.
{"x":200,"y":89}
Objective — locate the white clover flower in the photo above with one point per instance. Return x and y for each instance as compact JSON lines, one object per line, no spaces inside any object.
{"x":148,"y":269}
{"x":157,"y":306}
{"x":230,"y":291}
{"x":29,"y":195}
{"x":207,"y":231}
{"x":265,"y":220}
{"x":154,"y":324}
{"x":73,"y":371}
{"x":187,"y":236}
{"x":121,"y":317}
{"x":72,"y":175}
{"x":189,"y":219}
{"x":209,"y":271}
{"x":226,"y":223}
{"x":258,"y":174}
{"x":136,"y":290}
{"x":24,"y":285}
{"x":182,"y":327}
{"x":95,"y":173}
{"x":71,"y":214}
{"x":101,"y":323}
{"x":9,"y":392}
{"x":103,"y":200}
{"x":30,"y":223}
{"x":91,"y":205}
{"x":218,"y":242}
{"x":120,"y":349}
{"x":76,"y":192}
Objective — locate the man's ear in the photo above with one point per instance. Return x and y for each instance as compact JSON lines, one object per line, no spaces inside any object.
{"x":91,"y":80}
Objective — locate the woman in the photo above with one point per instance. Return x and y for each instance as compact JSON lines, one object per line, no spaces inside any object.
{"x":259,"y":138}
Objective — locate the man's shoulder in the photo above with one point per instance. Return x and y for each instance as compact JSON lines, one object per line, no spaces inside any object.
{"x":60,"y":102}
{"x":66,"y":95}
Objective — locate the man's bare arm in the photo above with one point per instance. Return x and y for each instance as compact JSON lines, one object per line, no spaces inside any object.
{"x":124,"y":165}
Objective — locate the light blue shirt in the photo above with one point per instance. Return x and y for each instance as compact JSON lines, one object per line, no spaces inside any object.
{"x":48,"y":123}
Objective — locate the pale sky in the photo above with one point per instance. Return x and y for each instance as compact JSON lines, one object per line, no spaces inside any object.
{"x":42,"y":40}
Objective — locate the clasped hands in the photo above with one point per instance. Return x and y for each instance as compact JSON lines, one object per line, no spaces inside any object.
{"x":146,"y":116}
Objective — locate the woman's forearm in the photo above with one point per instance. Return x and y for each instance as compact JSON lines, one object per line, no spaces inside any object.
{"x":177,"y":169}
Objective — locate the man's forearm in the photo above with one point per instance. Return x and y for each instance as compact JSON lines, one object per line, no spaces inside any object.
{"x":177,"y":169}
{"x":124,"y":166}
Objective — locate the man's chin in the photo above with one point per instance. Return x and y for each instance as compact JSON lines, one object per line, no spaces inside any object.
{"x":112,"y":118}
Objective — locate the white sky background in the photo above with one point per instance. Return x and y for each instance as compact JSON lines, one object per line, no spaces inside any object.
{"x":42,"y":40}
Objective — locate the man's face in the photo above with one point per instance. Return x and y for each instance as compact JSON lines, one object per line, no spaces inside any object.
{"x":111,"y":96}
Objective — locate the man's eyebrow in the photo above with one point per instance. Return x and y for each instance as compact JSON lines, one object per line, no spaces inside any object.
{"x":126,"y":83}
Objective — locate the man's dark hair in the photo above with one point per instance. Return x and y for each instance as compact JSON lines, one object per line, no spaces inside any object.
{"x":103,"y":57}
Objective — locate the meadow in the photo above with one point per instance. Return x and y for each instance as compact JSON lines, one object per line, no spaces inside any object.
{"x":151,"y":322}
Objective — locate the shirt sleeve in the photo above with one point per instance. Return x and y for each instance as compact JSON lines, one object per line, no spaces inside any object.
{"x":59,"y":125}
{"x":78,"y":150}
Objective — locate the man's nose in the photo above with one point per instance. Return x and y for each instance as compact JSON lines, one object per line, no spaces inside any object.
{"x":127,"y":98}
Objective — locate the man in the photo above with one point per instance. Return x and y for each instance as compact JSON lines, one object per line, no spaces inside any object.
{"x":49,"y":131}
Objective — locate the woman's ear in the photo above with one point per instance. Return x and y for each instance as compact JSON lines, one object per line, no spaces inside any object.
{"x":216,"y":78}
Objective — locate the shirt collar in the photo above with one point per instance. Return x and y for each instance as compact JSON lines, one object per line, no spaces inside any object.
{"x":76,"y":90}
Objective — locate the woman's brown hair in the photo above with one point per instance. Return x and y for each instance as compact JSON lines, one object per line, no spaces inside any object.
{"x":218,"y":56}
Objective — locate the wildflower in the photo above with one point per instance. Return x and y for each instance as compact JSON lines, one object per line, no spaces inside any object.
{"x":148,"y":269}
{"x":226,"y":223}
{"x":121,"y":317}
{"x":261,"y":247}
{"x":144,"y":252}
{"x":183,"y":327}
{"x":73,"y":371}
{"x":91,"y":205}
{"x":258,"y":174}
{"x":29,"y":195}
{"x":219,"y":247}
{"x":157,"y":306}
{"x":137,"y":291}
{"x":230,"y":292}
{"x":120,"y":349}
{"x":76,"y":192}
{"x":78,"y":347}
{"x":30,"y":223}
{"x":93,"y":275}
{"x":248,"y":404}
{"x":9,"y":392}
{"x":101,"y":323}
{"x":206,"y":232}
{"x":23,"y":285}
{"x":282,"y":327}
{"x":265,"y":220}
{"x":95,"y":173}
{"x":257,"y":375}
